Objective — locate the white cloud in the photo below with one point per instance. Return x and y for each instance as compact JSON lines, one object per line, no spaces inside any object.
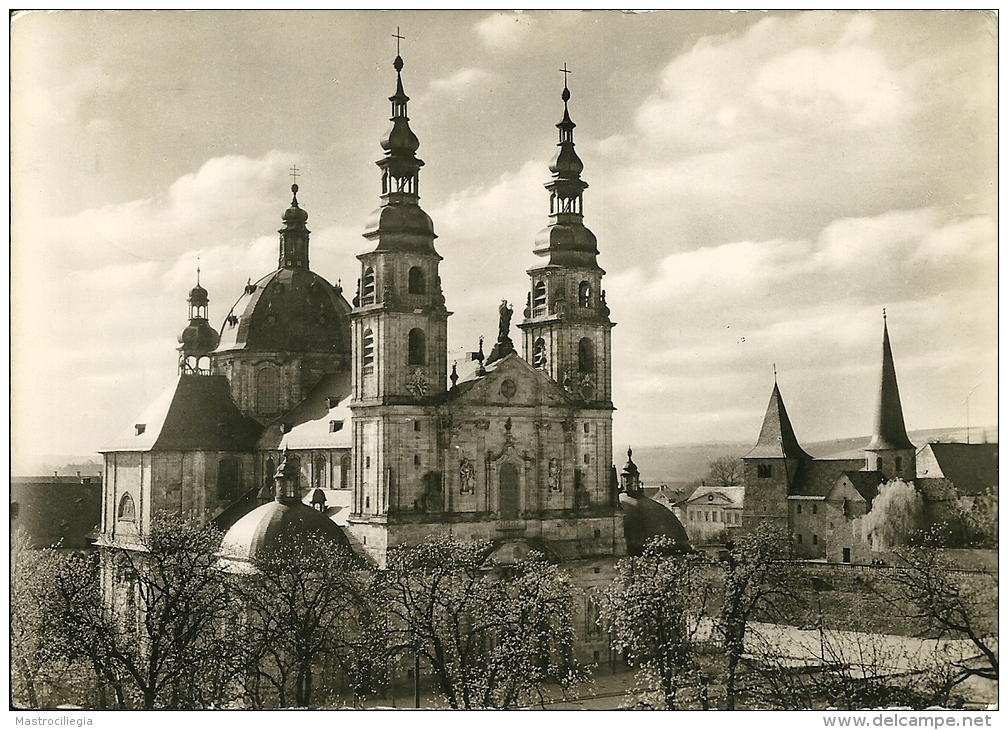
{"x":504,"y":30}
{"x":459,"y":82}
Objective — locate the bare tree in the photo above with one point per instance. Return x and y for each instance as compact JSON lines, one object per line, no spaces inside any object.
{"x":760,"y":582}
{"x":494,"y":636}
{"x":949,"y":604}
{"x":726,"y":471}
{"x":654,"y":610}
{"x":154,"y":634}
{"x":306,"y":602}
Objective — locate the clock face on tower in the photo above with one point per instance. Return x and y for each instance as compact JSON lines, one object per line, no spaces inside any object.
{"x":416,"y":384}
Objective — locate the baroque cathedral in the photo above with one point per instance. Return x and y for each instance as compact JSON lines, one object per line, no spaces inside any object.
{"x":304,"y":402}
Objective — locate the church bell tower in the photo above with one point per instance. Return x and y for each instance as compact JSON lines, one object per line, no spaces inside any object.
{"x":566,"y":329}
{"x":400,"y":336}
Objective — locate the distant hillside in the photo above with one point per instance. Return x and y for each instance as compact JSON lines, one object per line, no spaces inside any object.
{"x":683,"y":463}
{"x":64,"y":466}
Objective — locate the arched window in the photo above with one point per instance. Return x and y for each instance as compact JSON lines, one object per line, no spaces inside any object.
{"x":584,"y":295}
{"x":539,"y":298}
{"x":417,"y":285}
{"x":367,"y":286}
{"x":127,"y":510}
{"x":294,"y":464}
{"x":345,"y":472}
{"x":227,"y":479}
{"x":586,"y":356}
{"x":367,"y":347}
{"x":319,"y":475}
{"x":267,"y":390}
{"x":539,"y":353}
{"x":417,"y":347}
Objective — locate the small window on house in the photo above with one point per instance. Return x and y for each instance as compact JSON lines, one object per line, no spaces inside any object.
{"x":127,"y":510}
{"x":798,"y":508}
{"x":595,"y":569}
{"x":335,"y":426}
{"x":539,"y":298}
{"x":706,"y":516}
{"x":815,"y":539}
{"x":367,"y":347}
{"x":763,"y":471}
{"x":416,"y":459}
{"x":586,"y":428}
{"x":140,"y":428}
{"x":595,"y":657}
{"x":584,"y":295}
{"x":815,"y":509}
{"x":417,"y":347}
{"x":417,"y":285}
{"x":539,"y":353}
{"x":367,"y":462}
{"x":368,"y":286}
{"x":899,"y":463}
{"x":586,"y":458}
{"x":416,"y":425}
{"x":799,"y":538}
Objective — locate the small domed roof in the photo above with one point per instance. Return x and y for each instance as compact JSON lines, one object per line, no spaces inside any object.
{"x":198,"y":296}
{"x":295,"y":215}
{"x":199,"y":336}
{"x":270,"y":525}
{"x":643,"y":518}
{"x":289,"y":310}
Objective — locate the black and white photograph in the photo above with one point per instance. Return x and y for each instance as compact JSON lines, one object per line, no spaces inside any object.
{"x":569,"y":360}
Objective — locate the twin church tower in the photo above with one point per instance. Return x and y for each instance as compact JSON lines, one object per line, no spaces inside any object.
{"x":361,"y":399}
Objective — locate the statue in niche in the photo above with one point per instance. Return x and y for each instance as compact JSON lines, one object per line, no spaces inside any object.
{"x":431,"y":499}
{"x":467,"y":477}
{"x":553,"y":477}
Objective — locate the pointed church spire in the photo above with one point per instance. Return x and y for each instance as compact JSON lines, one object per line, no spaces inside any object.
{"x":777,"y":438}
{"x":890,"y":430}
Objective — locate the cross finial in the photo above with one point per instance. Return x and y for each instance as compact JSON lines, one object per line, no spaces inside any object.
{"x":294,"y":173}
{"x":883,"y":315}
{"x":197,"y":268}
{"x":565,"y":72}
{"x":775,"y":373}
{"x":398,"y":38}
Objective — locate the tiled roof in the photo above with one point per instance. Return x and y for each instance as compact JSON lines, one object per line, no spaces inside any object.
{"x":308,"y":423}
{"x":866,"y":483}
{"x":777,"y":437}
{"x":973,"y":468}
{"x":734,"y":495}
{"x":816,"y":477}
{"x":195,"y":413}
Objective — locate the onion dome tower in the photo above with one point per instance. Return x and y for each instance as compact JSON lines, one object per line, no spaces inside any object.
{"x":287,"y":331}
{"x":198,"y":339}
{"x":566,"y":328}
{"x":890,"y":450}
{"x":400,"y":327}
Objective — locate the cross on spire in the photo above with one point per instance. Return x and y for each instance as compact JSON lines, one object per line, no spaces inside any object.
{"x":566,"y":73}
{"x":398,"y":38}
{"x":294,"y":173}
{"x":197,"y":268}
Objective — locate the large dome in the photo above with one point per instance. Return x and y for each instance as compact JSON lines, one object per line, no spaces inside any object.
{"x":289,"y":310}
{"x":270,"y":525}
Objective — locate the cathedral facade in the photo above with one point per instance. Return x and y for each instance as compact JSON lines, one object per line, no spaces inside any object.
{"x":355,"y":402}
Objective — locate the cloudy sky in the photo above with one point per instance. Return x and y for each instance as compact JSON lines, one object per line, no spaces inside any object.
{"x":762,"y":185}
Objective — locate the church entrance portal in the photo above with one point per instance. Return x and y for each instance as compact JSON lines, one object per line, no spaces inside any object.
{"x":508,"y":492}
